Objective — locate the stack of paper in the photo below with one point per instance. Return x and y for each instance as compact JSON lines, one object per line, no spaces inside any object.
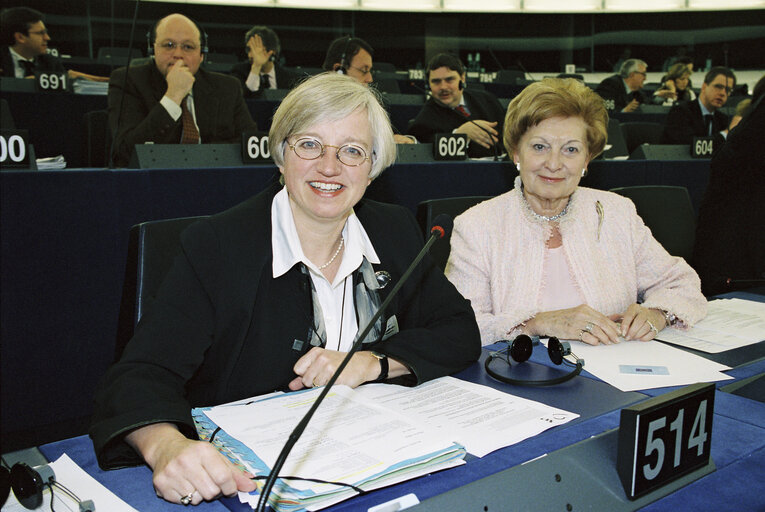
{"x":90,"y":87}
{"x":371,"y":436}
{"x":729,"y":324}
{"x":53,"y":162}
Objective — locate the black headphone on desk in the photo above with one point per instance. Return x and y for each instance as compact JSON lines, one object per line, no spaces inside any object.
{"x":520,"y":350}
{"x":28,"y":485}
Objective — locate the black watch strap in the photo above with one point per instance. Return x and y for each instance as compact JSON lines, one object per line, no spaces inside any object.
{"x":383,"y":366}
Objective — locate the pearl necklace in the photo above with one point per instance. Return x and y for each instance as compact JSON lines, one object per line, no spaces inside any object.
{"x":339,"y":246}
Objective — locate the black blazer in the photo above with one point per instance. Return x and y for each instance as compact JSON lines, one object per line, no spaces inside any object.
{"x":285,"y":78}
{"x":612,"y":89}
{"x":685,"y":121}
{"x":222,"y":328}
{"x":43,"y":63}
{"x":221,"y":112}
{"x":435,"y":118}
{"x":730,"y":239}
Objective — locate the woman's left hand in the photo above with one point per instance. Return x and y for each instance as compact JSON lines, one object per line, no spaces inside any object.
{"x":318,"y":365}
{"x":639,"y":323}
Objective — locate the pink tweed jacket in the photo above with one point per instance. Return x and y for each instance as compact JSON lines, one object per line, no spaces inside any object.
{"x":498,"y":251}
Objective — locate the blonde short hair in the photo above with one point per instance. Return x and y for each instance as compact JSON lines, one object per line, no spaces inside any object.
{"x":557,"y":97}
{"x":332,"y":97}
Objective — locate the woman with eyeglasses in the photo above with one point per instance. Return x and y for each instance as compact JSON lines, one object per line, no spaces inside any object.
{"x":271,"y":294}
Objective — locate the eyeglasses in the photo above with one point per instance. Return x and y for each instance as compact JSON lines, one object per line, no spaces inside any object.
{"x":722,"y":88}
{"x":43,"y":32}
{"x":641,"y":73}
{"x":170,"y":46}
{"x":309,"y":148}
{"x":363,"y":71}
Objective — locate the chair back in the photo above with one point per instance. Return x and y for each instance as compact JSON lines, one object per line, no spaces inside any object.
{"x":637,"y":133}
{"x":428,"y":210}
{"x":668,"y":213}
{"x":152,"y":248}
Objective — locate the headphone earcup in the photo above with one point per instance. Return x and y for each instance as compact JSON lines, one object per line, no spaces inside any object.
{"x":461,"y":85}
{"x":557,"y":349}
{"x":27,"y":485}
{"x":520,"y":349}
{"x":149,"y":46}
{"x":341,"y":71}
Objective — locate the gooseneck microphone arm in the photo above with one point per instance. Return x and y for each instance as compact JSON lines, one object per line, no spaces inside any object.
{"x":441,"y":227}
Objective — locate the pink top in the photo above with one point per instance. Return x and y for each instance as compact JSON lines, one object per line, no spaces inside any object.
{"x":559,"y":291}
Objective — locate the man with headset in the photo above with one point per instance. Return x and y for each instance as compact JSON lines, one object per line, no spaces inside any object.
{"x":170,"y":99}
{"x":453,"y":108}
{"x":260,"y":71}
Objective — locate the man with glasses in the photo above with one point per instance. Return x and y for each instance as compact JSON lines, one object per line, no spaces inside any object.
{"x":261,"y":71}
{"x":170,"y":99}
{"x":454,"y":108}
{"x":26,"y":37}
{"x":621,"y":92}
{"x":702,"y":117}
{"x":350,"y":56}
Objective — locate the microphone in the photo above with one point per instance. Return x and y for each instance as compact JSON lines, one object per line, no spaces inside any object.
{"x":426,"y":92}
{"x":491,"y":137}
{"x":442,"y":226}
{"x":520,"y":65}
{"x":110,"y":163}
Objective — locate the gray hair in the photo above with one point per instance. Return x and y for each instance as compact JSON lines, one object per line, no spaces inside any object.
{"x":332,"y":97}
{"x":631,"y":66}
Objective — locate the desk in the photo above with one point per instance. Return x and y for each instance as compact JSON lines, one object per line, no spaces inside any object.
{"x":63,"y":239}
{"x":738,"y":451}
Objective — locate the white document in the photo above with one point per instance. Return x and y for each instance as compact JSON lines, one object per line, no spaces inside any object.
{"x":729,"y":324}
{"x":81,"y":484}
{"x":480,"y":418}
{"x":636,"y":365}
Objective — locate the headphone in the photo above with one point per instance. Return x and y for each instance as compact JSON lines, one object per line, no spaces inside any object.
{"x":28,"y":485}
{"x":520,"y":350}
{"x":151,"y":34}
{"x":343,"y":69}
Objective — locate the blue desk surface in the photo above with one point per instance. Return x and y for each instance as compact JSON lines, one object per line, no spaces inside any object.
{"x":738,"y":451}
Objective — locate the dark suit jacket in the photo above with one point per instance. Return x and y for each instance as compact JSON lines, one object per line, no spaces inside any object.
{"x":730,"y":239}
{"x":43,"y":64}
{"x":222,"y":328}
{"x":612,"y":90}
{"x":685,"y":121}
{"x":221,"y":112}
{"x":285,"y":78}
{"x":435,"y":118}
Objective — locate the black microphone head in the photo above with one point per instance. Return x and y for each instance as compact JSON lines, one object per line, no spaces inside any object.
{"x":442,"y":225}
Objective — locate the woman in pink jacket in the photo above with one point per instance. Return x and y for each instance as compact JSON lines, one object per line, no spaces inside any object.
{"x":550,"y":258}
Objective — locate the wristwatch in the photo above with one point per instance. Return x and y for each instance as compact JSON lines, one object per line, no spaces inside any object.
{"x":383,"y":365}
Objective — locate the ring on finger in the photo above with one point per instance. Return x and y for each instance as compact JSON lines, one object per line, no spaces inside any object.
{"x":186,"y":500}
{"x":588,"y":327}
{"x":653,"y":328}
{"x":581,"y":333}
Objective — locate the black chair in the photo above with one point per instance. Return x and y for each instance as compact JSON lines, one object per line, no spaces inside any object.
{"x":118,"y":54}
{"x":152,"y":247}
{"x":617,"y":145}
{"x":668,"y":213}
{"x":387,"y":85}
{"x":428,"y":210}
{"x":6,"y":118}
{"x":637,"y":133}
{"x":97,"y":138}
{"x":387,"y":67}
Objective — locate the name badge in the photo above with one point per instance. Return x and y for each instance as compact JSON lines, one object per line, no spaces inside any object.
{"x":702,"y":147}
{"x":14,"y":149}
{"x":450,"y":146}
{"x":255,"y":147}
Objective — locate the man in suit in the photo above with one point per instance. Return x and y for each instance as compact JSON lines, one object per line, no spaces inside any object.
{"x":622,"y":92}
{"x":453,"y":108}
{"x":26,"y":39}
{"x":170,"y":100}
{"x":260,"y":71}
{"x":701,"y":117}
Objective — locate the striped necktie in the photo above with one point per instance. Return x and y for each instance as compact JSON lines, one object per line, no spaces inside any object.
{"x":190,"y":133}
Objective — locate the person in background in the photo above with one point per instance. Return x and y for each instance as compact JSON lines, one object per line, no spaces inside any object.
{"x":260,"y":71}
{"x":551,"y":258}
{"x":701,"y":118}
{"x":454,"y":108}
{"x":677,"y":81}
{"x":271,"y":294}
{"x":621,"y":92}
{"x":170,"y":99}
